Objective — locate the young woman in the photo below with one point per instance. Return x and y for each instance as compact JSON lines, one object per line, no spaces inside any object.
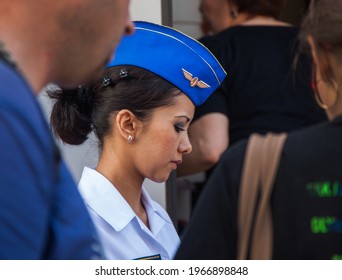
{"x":140,"y":112}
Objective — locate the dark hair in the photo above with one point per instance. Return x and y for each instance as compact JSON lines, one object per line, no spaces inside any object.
{"x":271,"y":8}
{"x":323,"y":22}
{"x":77,"y":112}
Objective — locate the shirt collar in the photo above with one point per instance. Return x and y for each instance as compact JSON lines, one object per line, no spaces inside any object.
{"x":104,"y":199}
{"x":156,"y":214}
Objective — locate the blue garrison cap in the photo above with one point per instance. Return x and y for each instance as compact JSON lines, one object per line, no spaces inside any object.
{"x":174,"y":56}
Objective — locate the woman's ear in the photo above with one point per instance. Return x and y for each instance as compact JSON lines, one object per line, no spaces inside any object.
{"x":314,"y":54}
{"x":312,"y":45}
{"x":126,"y":123}
{"x":321,"y":59}
{"x":326,"y":86}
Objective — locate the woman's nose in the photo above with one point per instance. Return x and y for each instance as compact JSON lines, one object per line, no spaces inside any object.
{"x":185,"y":146}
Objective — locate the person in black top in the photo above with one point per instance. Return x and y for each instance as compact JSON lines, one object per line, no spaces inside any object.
{"x":264,"y":89}
{"x":306,"y":201}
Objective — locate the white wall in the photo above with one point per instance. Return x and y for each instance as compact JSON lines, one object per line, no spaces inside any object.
{"x":186,"y":17}
{"x":148,"y":10}
{"x":77,"y":157}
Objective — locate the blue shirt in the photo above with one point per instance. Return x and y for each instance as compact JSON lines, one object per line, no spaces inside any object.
{"x":42,"y":215}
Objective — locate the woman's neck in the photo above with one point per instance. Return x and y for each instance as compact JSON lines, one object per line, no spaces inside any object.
{"x":123,"y":179}
{"x":245,"y":19}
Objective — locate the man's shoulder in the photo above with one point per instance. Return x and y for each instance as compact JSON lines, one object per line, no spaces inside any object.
{"x":13,"y":88}
{"x":21,"y":113}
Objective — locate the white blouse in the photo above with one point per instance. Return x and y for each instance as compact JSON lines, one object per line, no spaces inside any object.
{"x":121,"y":232}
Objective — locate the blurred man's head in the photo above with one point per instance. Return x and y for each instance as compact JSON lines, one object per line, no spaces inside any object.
{"x":67,"y":42}
{"x":90,"y":31}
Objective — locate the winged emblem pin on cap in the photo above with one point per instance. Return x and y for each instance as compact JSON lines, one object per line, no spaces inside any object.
{"x":194,"y":81}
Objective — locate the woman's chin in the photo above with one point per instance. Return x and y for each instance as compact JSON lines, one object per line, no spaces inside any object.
{"x":160,"y":179}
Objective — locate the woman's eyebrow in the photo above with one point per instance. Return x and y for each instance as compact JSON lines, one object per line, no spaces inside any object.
{"x":186,"y":117}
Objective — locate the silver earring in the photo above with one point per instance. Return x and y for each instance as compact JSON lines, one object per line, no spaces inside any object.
{"x":234,"y":13}
{"x":129,"y":139}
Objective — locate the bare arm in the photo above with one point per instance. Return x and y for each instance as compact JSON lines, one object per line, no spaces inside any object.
{"x":209,"y":138}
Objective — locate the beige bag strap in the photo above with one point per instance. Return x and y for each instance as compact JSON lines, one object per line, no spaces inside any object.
{"x":248,"y":194}
{"x":260,"y":167}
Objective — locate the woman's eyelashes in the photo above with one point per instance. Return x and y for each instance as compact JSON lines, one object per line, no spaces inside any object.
{"x":179,"y":127}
